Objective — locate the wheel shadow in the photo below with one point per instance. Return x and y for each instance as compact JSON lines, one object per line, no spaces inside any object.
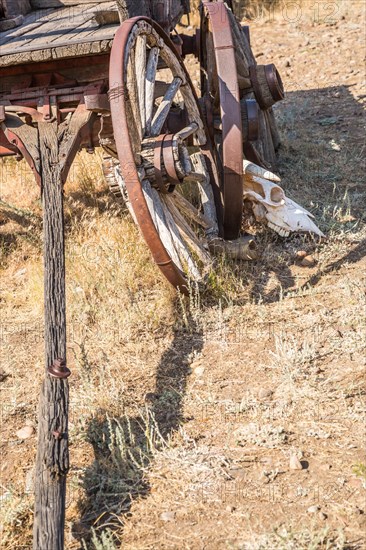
{"x":124,"y":446}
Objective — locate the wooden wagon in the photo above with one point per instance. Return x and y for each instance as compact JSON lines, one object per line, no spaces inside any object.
{"x":111,"y":74}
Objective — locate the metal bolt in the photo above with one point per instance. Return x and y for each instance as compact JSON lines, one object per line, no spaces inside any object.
{"x":59,"y":369}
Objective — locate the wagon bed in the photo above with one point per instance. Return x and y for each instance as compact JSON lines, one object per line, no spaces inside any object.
{"x":60,"y":33}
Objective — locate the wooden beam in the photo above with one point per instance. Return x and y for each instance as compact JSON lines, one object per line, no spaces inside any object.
{"x":52,"y":453}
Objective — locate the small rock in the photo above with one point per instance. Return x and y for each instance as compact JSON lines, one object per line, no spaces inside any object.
{"x":151,"y":396}
{"x":313,"y":509}
{"x":31,"y":423}
{"x":288,"y":63}
{"x":295,"y":463}
{"x":230,"y":508}
{"x":334,"y":146}
{"x":308,"y":261}
{"x":322,"y":516}
{"x":5,"y":496}
{"x":25,"y":433}
{"x":3,"y":375}
{"x":301,"y":253}
{"x":29,"y":481}
{"x":264,"y":394}
{"x":20,"y":272}
{"x":167,"y":516}
{"x":198,"y":371}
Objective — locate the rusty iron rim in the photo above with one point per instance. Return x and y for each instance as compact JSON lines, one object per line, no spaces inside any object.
{"x":126,"y":154}
{"x":232,"y":131}
{"x":256,"y":87}
{"x":251,"y":106}
{"x":246,"y":30}
{"x":274,"y":81}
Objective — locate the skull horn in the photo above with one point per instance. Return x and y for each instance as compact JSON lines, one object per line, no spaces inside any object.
{"x":255,"y":170}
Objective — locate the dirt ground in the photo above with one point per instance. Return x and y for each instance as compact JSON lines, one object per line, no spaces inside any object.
{"x":190,"y":420}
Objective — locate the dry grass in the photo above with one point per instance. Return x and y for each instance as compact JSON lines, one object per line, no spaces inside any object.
{"x":184,"y":413}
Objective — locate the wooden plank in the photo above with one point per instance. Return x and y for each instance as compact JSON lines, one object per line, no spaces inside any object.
{"x":44,"y":27}
{"x":164,"y":107}
{"x":152,"y":65}
{"x":15,"y":7}
{"x":78,"y":48}
{"x":140,"y":67}
{"x":61,"y":26}
{"x":31,"y":22}
{"x":43,"y":4}
{"x":133,"y":8}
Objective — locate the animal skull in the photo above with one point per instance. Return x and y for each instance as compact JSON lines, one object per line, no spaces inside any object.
{"x":270,"y":203}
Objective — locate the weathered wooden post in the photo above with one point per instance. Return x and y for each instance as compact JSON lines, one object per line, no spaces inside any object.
{"x":53,"y":455}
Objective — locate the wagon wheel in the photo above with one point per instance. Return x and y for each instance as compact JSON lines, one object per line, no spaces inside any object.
{"x":166,"y":171}
{"x":221,"y":101}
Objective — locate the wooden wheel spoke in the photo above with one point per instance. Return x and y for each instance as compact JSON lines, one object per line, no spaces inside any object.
{"x":157,"y":213}
{"x":180,"y":245}
{"x":133,"y":105}
{"x":164,"y":107}
{"x":187,"y":131}
{"x":152,"y":65}
{"x":186,"y":232}
{"x":140,"y":68}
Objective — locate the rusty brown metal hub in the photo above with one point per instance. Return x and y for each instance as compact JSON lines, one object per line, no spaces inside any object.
{"x":267,"y":85}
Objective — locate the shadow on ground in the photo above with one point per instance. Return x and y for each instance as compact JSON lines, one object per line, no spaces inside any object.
{"x":124,"y":447}
{"x":322,"y":166}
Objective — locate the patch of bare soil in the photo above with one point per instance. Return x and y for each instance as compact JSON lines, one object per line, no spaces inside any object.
{"x":235,"y":420}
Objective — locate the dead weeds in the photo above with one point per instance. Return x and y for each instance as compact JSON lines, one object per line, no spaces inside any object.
{"x":185,"y":413}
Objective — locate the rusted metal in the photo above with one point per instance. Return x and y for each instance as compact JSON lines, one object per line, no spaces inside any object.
{"x":157,"y":163}
{"x":246,"y":30}
{"x":232,"y":131}
{"x":252,"y":154}
{"x":5,"y":152}
{"x":20,"y":146}
{"x":177,"y":120}
{"x":59,"y":369}
{"x":168,"y":159}
{"x":252,"y":115}
{"x":31,"y":97}
{"x":35,"y":115}
{"x":256,"y":87}
{"x":274,"y":82}
{"x":38,"y":69}
{"x":191,"y":44}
